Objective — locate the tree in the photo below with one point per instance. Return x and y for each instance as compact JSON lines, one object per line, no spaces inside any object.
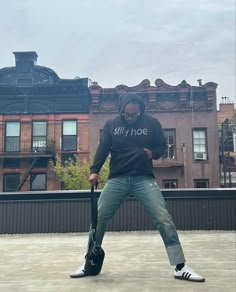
{"x":74,"y":173}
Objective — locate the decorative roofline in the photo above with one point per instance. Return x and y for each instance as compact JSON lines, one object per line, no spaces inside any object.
{"x":162,"y":96}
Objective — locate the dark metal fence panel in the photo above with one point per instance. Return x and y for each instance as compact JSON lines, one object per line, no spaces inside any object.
{"x":44,"y":216}
{"x":187,"y":215}
{"x":72,"y":214}
{"x":203,"y":214}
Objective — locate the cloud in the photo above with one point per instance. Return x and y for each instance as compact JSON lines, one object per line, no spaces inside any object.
{"x":122,"y":41}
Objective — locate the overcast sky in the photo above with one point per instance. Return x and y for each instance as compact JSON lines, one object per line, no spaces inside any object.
{"x":125,"y":41}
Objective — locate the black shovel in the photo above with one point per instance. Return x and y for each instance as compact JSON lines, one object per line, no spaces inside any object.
{"x":94,"y":212}
{"x":94,"y":257}
{"x":94,"y":261}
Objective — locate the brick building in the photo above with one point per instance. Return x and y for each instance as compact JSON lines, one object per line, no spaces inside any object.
{"x":41,"y":115}
{"x":189,"y":119}
{"x":226,"y":111}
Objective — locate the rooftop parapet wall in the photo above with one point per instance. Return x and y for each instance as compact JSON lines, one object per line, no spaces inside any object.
{"x":69,"y":211}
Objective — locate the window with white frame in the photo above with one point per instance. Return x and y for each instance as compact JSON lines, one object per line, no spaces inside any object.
{"x":12,"y":142}
{"x":39,"y":136}
{"x":199,"y":144}
{"x":69,"y":135}
{"x":169,"y":183}
{"x":170,"y":152}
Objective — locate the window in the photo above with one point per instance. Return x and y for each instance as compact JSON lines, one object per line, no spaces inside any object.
{"x":41,"y":162}
{"x":12,"y":142}
{"x":169,"y":184}
{"x":11,"y":163}
{"x":68,"y":157}
{"x":228,"y":164}
{"x":170,"y":152}
{"x":199,"y":144}
{"x":39,"y":136}
{"x":201,"y":183}
{"x":11,"y":182}
{"x":228,"y":136}
{"x":69,"y":136}
{"x":38,"y":182}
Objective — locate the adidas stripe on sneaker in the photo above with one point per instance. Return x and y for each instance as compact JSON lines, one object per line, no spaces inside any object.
{"x":188,"y":274}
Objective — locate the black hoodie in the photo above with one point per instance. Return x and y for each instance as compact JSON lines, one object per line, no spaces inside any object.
{"x":126,"y":143}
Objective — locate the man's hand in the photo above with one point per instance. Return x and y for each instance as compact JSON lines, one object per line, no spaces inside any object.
{"x":148,"y":152}
{"x":94,"y":179}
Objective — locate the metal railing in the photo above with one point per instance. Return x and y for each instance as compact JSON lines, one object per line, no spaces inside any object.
{"x":17,"y":146}
{"x":227,"y":136}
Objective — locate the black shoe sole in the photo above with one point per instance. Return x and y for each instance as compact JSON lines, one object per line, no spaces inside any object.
{"x":191,"y":280}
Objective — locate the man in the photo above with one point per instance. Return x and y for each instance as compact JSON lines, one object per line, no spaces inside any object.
{"x":133,"y":139}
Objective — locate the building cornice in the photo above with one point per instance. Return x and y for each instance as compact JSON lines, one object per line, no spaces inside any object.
{"x":161,"y":97}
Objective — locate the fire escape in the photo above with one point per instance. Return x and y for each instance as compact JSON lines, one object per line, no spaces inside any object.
{"x":32,"y":152}
{"x":227,"y":134}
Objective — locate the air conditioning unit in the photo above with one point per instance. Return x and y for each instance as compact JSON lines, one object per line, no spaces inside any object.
{"x":200,"y":156}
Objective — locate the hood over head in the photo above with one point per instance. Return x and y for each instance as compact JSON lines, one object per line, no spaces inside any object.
{"x":131,"y":98}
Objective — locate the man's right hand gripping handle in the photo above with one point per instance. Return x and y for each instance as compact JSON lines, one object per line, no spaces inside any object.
{"x":94,"y":179}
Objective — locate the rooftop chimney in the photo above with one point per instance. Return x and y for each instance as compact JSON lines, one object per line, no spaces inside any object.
{"x":199,"y":82}
{"x":25,"y":61}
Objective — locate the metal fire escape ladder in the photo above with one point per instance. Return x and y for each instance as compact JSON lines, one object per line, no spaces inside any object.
{"x":26,"y":175}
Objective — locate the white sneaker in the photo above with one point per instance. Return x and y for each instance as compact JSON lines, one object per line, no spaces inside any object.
{"x":188,"y":274}
{"x":79,"y":273}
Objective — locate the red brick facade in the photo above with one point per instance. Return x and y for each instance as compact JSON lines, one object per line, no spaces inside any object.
{"x":41,"y":116}
{"x":29,"y":92}
{"x":54,"y":134}
{"x":181,"y":109}
{"x":226,"y":111}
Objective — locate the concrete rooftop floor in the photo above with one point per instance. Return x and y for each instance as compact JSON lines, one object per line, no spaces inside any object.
{"x":135,"y":261}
